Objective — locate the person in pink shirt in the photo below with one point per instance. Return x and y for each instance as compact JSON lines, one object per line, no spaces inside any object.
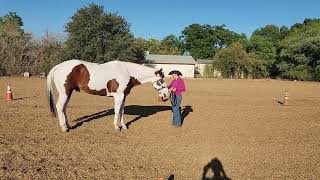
{"x":177,"y":87}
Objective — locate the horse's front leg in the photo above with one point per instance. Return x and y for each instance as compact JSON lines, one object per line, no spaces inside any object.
{"x":118,"y":99}
{"x":123,"y":125}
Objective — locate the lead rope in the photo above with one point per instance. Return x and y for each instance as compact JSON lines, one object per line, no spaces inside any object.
{"x":173,"y":98}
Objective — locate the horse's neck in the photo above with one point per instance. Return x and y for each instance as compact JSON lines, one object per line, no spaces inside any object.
{"x":143,"y":73}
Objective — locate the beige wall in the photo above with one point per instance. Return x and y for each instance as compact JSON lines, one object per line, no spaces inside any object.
{"x":201,"y":68}
{"x":186,"y":69}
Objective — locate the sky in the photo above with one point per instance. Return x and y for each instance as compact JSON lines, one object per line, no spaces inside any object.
{"x":159,"y":18}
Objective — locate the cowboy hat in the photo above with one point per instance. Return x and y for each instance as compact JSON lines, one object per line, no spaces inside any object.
{"x":175,"y":72}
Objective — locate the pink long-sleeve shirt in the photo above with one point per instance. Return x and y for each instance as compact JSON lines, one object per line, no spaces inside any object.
{"x":179,"y":85}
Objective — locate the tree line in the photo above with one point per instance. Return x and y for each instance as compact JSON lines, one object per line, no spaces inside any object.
{"x":98,"y":36}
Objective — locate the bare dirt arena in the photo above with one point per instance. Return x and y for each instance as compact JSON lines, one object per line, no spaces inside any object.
{"x":237,"y":123}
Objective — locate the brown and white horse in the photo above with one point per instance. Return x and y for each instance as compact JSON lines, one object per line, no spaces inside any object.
{"x":113,"y":78}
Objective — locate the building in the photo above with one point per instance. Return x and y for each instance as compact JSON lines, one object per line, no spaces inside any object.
{"x":203,"y":64}
{"x":184,"y":64}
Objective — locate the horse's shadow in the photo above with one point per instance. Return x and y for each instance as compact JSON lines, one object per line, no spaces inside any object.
{"x":139,"y":111}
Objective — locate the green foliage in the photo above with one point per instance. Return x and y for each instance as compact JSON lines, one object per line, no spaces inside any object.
{"x":264,"y":43}
{"x":15,"y":47}
{"x":52,"y":53}
{"x":169,"y":45}
{"x":203,"y":41}
{"x":299,"y":56}
{"x":12,"y":18}
{"x":151,"y":45}
{"x":197,"y":40}
{"x":98,"y":36}
{"x":265,"y":50}
{"x":235,"y":62}
{"x":270,"y":32}
{"x":20,"y":52}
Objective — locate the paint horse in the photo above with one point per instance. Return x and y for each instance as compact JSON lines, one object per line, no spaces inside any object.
{"x":113,"y":78}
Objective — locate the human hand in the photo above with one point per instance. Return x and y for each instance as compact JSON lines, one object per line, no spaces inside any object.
{"x":174,"y":89}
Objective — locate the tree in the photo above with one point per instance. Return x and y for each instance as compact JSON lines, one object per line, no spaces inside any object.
{"x":299,"y":56}
{"x":199,"y":41}
{"x":235,"y":62}
{"x":51,"y":52}
{"x":284,"y":31}
{"x":203,"y":41}
{"x":20,"y":52}
{"x":264,"y":42}
{"x":170,"y":45}
{"x":270,"y":32}
{"x":11,"y":17}
{"x":264,"y":49}
{"x":15,"y":46}
{"x":98,"y":36}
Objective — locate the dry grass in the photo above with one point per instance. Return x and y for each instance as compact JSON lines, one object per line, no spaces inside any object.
{"x":238,"y":122}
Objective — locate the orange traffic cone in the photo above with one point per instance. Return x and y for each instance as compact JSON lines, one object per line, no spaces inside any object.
{"x":285,"y":100}
{"x":8,"y":96}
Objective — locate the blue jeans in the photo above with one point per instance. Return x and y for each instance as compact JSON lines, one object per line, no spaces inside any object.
{"x":176,"y":112}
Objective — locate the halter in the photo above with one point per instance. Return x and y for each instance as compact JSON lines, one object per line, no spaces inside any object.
{"x":159,"y":83}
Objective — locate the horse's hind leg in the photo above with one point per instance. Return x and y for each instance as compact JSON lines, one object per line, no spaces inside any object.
{"x":61,"y":110}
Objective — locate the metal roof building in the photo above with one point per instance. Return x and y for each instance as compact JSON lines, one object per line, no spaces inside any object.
{"x":185,"y":64}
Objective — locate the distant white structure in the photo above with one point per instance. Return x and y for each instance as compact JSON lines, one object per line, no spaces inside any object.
{"x":26,"y":74}
{"x":184,"y":64}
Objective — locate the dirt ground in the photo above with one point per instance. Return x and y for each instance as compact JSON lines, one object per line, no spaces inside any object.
{"x":231,"y":126}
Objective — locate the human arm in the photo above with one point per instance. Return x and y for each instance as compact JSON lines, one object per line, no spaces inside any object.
{"x":170,"y":85}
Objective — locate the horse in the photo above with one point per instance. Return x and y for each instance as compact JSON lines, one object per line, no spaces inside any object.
{"x":113,"y":79}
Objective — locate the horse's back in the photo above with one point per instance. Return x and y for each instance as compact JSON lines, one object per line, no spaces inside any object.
{"x":92,"y":75}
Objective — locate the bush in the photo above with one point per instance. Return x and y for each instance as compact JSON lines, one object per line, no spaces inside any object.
{"x":235,"y":62}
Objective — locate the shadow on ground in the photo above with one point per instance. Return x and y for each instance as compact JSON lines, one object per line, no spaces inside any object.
{"x":216,"y":169}
{"x":21,"y":98}
{"x":185,"y":112}
{"x":137,"y":110}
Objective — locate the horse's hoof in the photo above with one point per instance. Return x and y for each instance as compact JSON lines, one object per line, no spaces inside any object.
{"x":64,"y":129}
{"x":124,"y":126}
{"x":117,"y":128}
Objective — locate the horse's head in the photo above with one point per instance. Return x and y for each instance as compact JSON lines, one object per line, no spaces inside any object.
{"x":160,"y":85}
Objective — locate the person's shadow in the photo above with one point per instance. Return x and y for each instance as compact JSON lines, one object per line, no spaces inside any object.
{"x":217,"y":170}
{"x":185,"y":112}
{"x":139,"y":111}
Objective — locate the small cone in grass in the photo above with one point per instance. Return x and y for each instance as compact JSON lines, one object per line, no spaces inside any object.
{"x":8,"y":96}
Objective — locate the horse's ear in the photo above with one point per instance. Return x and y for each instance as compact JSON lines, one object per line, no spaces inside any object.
{"x":159,"y":73}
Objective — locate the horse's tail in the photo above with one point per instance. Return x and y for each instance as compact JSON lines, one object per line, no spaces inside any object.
{"x":50,"y":91}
